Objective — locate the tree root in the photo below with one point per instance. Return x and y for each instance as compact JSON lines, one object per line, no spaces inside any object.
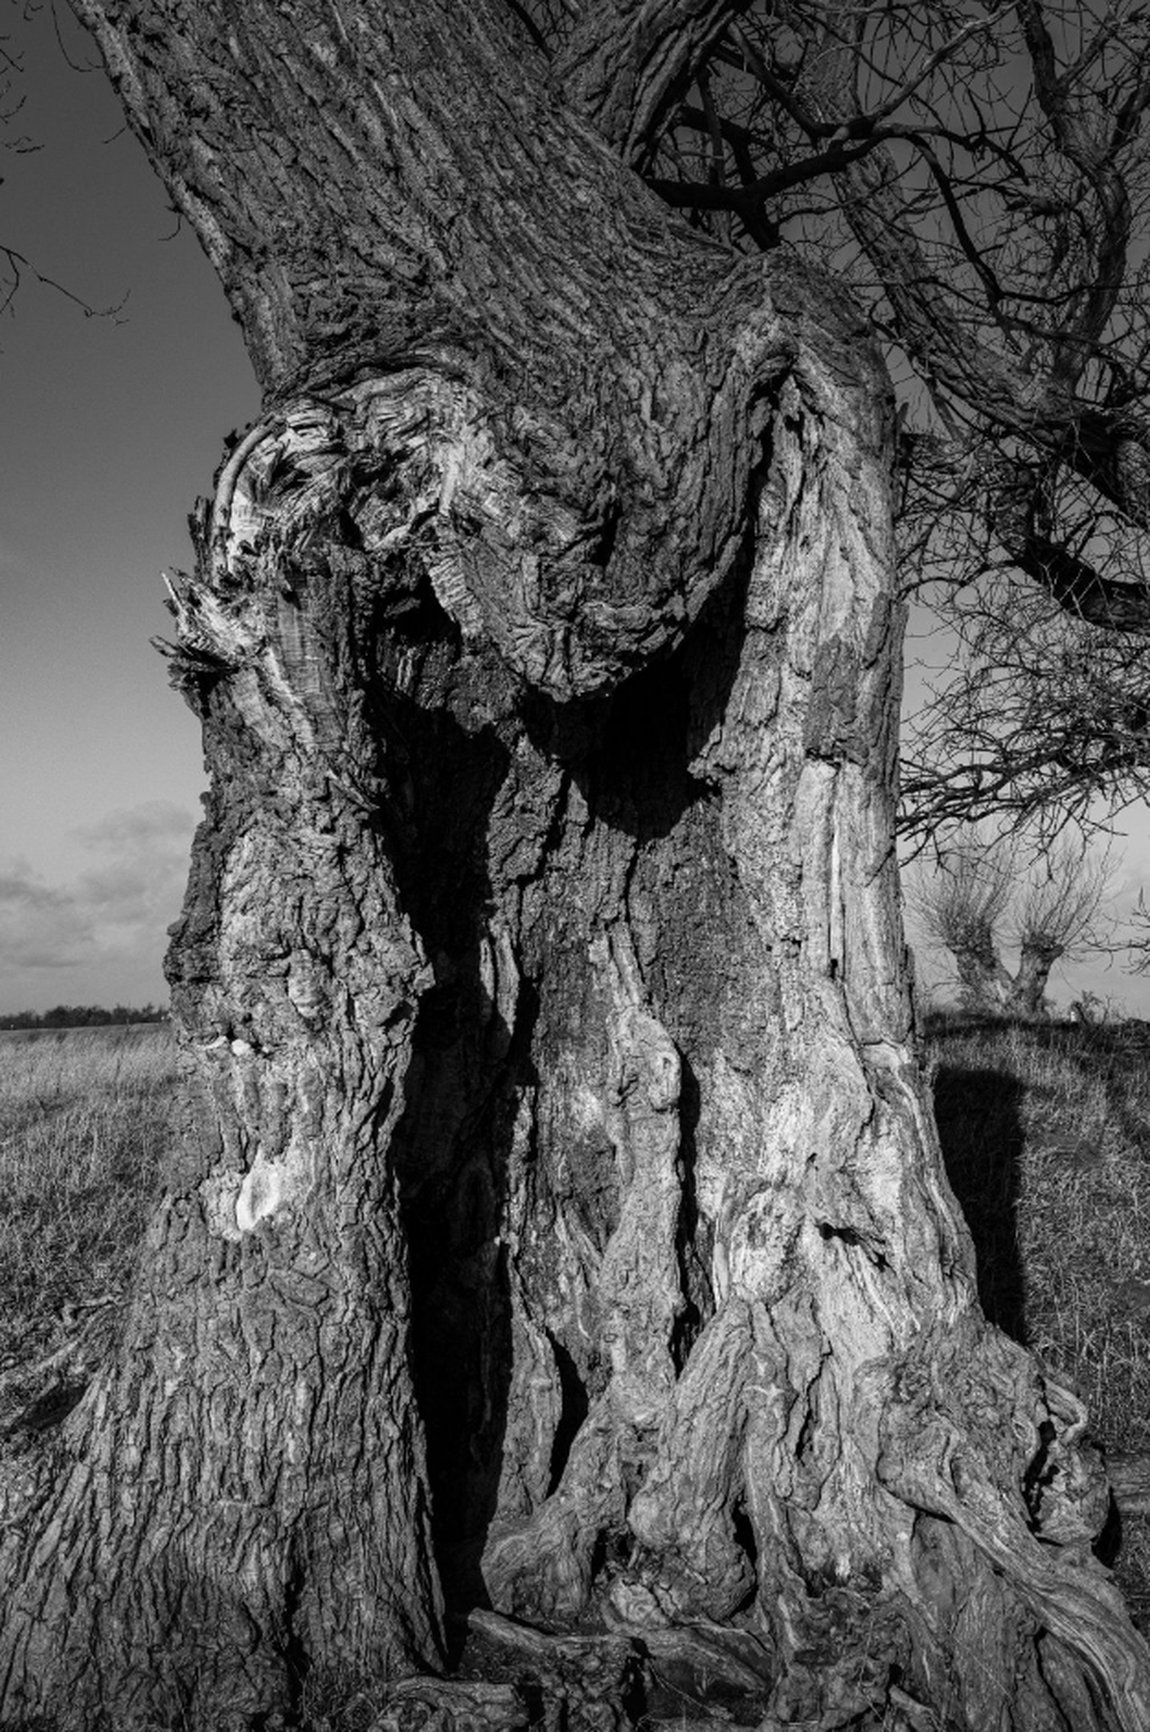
{"x":942,"y":1466}
{"x":700,"y":1679}
{"x":693,"y":1677}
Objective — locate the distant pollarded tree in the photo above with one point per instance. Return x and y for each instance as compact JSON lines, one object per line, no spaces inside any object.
{"x":982,"y":900}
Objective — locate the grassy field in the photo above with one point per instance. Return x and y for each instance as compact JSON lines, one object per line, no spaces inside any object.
{"x":1046,"y":1133}
{"x":84,"y":1121}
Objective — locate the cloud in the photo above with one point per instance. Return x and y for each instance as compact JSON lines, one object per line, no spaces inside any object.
{"x":151,"y":823}
{"x":41,"y":926}
{"x":114,"y":912}
{"x":19,"y":886}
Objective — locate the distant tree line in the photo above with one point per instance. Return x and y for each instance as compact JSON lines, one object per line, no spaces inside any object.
{"x":83,"y":1016}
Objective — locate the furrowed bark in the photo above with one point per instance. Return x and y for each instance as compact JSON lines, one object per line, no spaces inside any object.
{"x":552,"y":1106}
{"x":624,"y":63}
{"x":256,"y":1437}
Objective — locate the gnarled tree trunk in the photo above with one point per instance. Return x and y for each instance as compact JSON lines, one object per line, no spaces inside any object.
{"x":1028,"y":989}
{"x":986,"y":982}
{"x":559,"y":1225}
{"x":988,"y":986}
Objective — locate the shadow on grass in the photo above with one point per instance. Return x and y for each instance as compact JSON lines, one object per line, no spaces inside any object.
{"x":980,"y":1129}
{"x":1115,"y":1055}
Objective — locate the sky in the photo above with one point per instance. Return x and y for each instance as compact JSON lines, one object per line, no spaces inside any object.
{"x":111,"y":427}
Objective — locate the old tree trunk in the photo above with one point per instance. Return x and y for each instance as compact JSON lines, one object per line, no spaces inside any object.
{"x":558,"y":1233}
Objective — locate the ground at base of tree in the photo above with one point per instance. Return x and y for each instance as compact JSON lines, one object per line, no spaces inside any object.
{"x":1046,"y":1133}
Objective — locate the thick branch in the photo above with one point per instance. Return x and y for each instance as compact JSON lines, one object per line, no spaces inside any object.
{"x":1020,"y":521}
{"x":1080,"y":590}
{"x":748,"y":198}
{"x":1098,"y":167}
{"x":413,"y":220}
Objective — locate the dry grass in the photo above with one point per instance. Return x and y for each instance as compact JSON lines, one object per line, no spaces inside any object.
{"x":1046,"y":1133}
{"x":84,"y":1122}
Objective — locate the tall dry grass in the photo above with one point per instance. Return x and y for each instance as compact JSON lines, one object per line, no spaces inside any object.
{"x":85,"y":1119}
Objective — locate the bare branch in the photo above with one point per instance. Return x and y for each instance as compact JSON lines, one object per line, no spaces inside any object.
{"x":19,"y":266}
{"x":712,"y":197}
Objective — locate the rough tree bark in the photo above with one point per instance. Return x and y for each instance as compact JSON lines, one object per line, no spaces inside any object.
{"x":984,"y":979}
{"x":1028,"y":989}
{"x":559,"y":1226}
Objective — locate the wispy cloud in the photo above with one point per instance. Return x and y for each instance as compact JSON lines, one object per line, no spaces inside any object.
{"x":153,"y":823}
{"x":113,"y":912}
{"x":40,"y":926}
